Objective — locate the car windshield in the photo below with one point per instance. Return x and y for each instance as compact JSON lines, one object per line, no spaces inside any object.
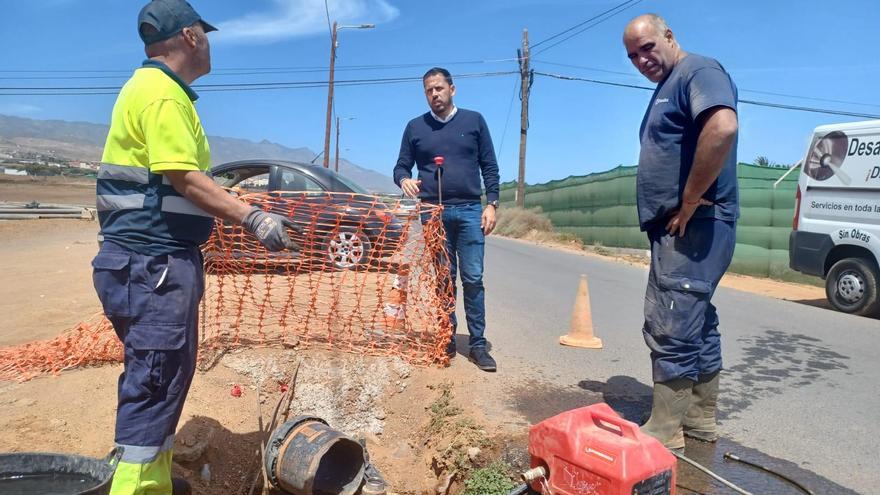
{"x":251,"y":179}
{"x":354,"y":186}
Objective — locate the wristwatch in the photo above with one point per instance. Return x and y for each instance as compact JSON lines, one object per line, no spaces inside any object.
{"x":493,"y":203}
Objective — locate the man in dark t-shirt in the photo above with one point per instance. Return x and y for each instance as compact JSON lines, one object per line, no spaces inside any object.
{"x":462,"y":139}
{"x":688,"y":204}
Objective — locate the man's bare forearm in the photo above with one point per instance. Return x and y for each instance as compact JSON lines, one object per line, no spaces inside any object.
{"x":207,"y":195}
{"x":713,"y":145}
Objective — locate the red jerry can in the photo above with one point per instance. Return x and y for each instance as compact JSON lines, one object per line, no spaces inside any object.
{"x":593,"y":451}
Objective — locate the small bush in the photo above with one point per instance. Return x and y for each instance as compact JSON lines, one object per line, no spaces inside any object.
{"x":491,"y":480}
{"x":532,"y":225}
{"x":442,"y":409}
{"x":518,"y":223}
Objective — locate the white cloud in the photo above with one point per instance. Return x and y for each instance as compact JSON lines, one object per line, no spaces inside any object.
{"x":294,"y":18}
{"x":20,"y":109}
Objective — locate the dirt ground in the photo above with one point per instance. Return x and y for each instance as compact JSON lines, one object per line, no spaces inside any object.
{"x":47,"y":289}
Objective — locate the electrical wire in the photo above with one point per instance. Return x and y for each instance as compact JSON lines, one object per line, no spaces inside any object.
{"x":248,"y":71}
{"x":747,"y":102}
{"x":89,"y":90}
{"x":581,"y":23}
{"x":733,"y":457}
{"x":595,"y":81}
{"x":507,"y":119}
{"x":813,"y":98}
{"x":591,"y":26}
{"x":108,"y":90}
{"x":742,"y":90}
{"x":596,"y":69}
{"x":327,"y":11}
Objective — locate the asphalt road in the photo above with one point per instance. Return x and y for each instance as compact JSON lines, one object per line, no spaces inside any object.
{"x":799,"y":391}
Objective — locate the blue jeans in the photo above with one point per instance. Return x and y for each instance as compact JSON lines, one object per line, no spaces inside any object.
{"x":681,"y":323}
{"x":465,"y":244}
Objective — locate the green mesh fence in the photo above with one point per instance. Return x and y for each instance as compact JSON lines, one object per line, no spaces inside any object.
{"x":600,"y":209}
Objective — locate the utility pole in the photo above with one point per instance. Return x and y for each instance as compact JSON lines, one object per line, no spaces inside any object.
{"x":330,"y":85}
{"x":525,"y":88}
{"x":330,"y":96}
{"x":336,"y":167}
{"x":338,"y":120}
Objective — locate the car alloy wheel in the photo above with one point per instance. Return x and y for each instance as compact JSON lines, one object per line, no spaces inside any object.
{"x":348,"y":248}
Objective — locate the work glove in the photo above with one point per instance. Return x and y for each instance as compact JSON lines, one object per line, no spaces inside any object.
{"x":269,"y":229}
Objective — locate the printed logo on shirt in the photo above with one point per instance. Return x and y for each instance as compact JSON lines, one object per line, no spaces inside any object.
{"x":661,"y":100}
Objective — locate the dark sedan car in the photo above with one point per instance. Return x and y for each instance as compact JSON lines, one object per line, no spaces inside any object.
{"x":348,"y":229}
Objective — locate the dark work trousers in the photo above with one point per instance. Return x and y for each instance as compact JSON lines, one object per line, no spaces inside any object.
{"x":153,"y":304}
{"x":681,"y":324}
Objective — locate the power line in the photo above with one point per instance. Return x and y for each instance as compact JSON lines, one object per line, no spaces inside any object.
{"x":810,"y":109}
{"x":621,"y":7}
{"x":582,"y":23}
{"x":743,"y":90}
{"x":596,"y":81}
{"x":327,"y":11}
{"x":507,"y":119}
{"x":747,"y":102}
{"x":813,"y":98}
{"x":243,"y":71}
{"x":283,"y":85}
{"x":595,"y":69}
{"x":98,"y":90}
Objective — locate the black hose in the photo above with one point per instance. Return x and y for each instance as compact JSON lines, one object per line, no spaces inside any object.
{"x":519,"y":490}
{"x":710,"y":473}
{"x":733,"y":457}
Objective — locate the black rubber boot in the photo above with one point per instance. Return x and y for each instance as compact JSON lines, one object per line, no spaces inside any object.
{"x":699,"y":421}
{"x":671,"y":402}
{"x":180,"y":486}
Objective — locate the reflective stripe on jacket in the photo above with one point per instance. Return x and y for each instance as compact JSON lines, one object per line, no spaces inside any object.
{"x":154,"y":128}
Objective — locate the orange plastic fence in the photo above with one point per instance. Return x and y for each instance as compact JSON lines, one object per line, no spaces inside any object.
{"x":88,"y":343}
{"x":372,"y":277}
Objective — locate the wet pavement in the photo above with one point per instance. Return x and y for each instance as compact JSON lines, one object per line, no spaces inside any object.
{"x":632,"y":400}
{"x":774,"y":363}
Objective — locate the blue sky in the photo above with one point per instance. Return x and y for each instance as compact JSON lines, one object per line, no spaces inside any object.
{"x":809,"y":48}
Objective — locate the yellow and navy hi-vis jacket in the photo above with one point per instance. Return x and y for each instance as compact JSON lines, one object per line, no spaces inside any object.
{"x":154,"y":128}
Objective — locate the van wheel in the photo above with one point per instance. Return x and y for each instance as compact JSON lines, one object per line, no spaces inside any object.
{"x":851,"y":287}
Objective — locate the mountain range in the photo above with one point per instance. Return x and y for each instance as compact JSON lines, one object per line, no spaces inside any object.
{"x":84,"y":141}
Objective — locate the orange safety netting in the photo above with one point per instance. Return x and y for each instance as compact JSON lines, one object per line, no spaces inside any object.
{"x":88,"y":343}
{"x":372,"y":277}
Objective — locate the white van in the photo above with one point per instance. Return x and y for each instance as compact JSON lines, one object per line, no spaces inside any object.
{"x":836,"y":228}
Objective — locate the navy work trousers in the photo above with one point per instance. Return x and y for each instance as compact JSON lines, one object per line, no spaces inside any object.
{"x":153,"y":304}
{"x":681,"y":324}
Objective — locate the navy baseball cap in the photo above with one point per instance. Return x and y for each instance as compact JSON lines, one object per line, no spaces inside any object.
{"x":169,"y":17}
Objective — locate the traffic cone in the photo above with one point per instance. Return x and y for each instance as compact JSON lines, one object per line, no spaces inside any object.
{"x":581,"y":332}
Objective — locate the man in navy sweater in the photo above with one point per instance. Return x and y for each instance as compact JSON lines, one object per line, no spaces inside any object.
{"x":462,"y":138}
